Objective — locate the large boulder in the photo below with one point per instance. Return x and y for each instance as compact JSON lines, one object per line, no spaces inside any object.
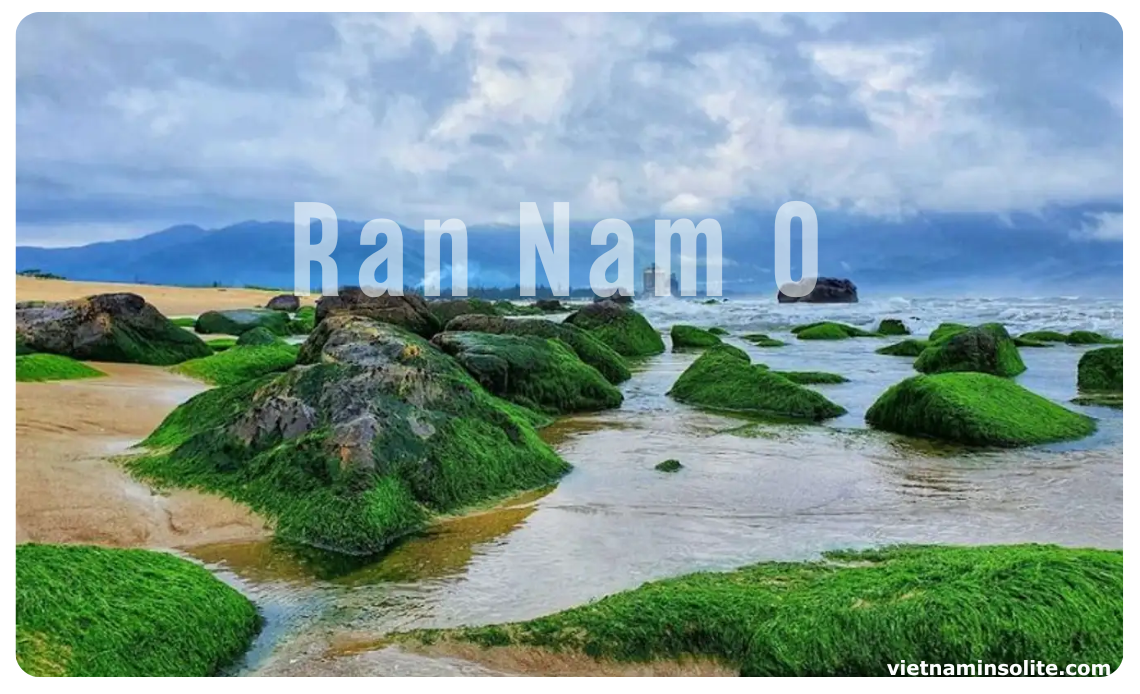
{"x":239,"y":320}
{"x":370,"y":435}
{"x":724,"y":378}
{"x":535,"y":372}
{"x":1102,"y":370}
{"x":590,"y":350}
{"x":409,"y":311}
{"x":290,"y":303}
{"x":828,"y":290}
{"x":446,"y":309}
{"x":892,"y":326}
{"x":257,"y":336}
{"x":625,"y":331}
{"x":975,"y":409}
{"x":550,"y":306}
{"x":105,"y":327}
{"x":986,"y":349}
{"x":691,"y":337}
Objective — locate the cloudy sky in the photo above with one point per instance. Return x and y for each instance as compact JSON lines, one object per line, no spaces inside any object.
{"x":129,"y":123}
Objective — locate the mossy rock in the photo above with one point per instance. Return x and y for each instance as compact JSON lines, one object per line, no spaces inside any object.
{"x":257,"y":336}
{"x":850,"y":613}
{"x":621,"y":328}
{"x":689,"y":337}
{"x":588,"y":348}
{"x":185,"y":321}
{"x":828,"y":330}
{"x":1044,"y":336}
{"x":1087,"y":337}
{"x":303,"y":321}
{"x":52,"y":367}
{"x":542,"y":374}
{"x":1024,"y":342}
{"x":723,"y":378}
{"x":906,"y":348}
{"x":1101,"y":370}
{"x":241,"y":363}
{"x":718,"y":331}
{"x":945,"y":331}
{"x":239,"y":320}
{"x":805,"y":378}
{"x":507,"y":308}
{"x":221,"y":344}
{"x":762,"y":340}
{"x":105,"y":327}
{"x":670,"y":465}
{"x":1113,"y":400}
{"x":892,"y":326}
{"x":97,"y":612}
{"x":408,"y":311}
{"x":987,"y":349}
{"x":372,"y":434}
{"x":446,"y":309}
{"x":976,"y":409}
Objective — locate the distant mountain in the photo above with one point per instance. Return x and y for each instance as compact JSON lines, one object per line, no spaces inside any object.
{"x":929,"y":254}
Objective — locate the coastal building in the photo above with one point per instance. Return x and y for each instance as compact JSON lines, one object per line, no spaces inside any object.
{"x":651,"y":278}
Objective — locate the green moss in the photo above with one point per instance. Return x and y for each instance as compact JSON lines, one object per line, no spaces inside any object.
{"x":906,"y":348}
{"x":376,"y":433}
{"x":987,"y":349}
{"x":507,"y":308}
{"x":975,"y":409}
{"x":257,"y":337}
{"x":446,"y":309}
{"x":829,"y":330}
{"x":622,"y":329}
{"x":303,"y":321}
{"x":1102,"y":370}
{"x":1025,"y":342}
{"x":185,"y":321}
{"x":1113,"y":400}
{"x":240,"y":363}
{"x":718,"y":331}
{"x":945,"y":331}
{"x":892,"y":326}
{"x":95,"y":612}
{"x":1044,"y":336}
{"x":237,"y":321}
{"x":854,"y":613}
{"x":52,"y":367}
{"x":689,"y":337}
{"x":1086,"y":337}
{"x":762,"y":340}
{"x":544,"y":375}
{"x":812,"y":377}
{"x":221,"y":344}
{"x":670,"y":465}
{"x":723,"y":378}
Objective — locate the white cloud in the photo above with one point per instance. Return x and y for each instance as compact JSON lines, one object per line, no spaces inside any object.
{"x":1102,"y":226}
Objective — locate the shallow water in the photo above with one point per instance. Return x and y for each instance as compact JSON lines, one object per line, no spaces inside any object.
{"x":748,"y":492}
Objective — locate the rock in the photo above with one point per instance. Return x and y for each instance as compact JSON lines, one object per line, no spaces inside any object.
{"x":723,"y":378}
{"x":670,"y":465}
{"x":289,"y":303}
{"x":409,"y":311}
{"x":105,"y":327}
{"x":625,"y":331}
{"x":762,"y":340}
{"x":373,"y":432}
{"x":303,"y":321}
{"x":542,"y":374}
{"x":906,"y":348}
{"x":1044,"y":336}
{"x":718,"y":331}
{"x":827,"y":330}
{"x":446,"y":309}
{"x":617,"y":298}
{"x":689,"y":337}
{"x":804,"y":378}
{"x":257,"y":336}
{"x":550,"y":306}
{"x":945,"y":331}
{"x":1087,"y":337}
{"x":239,"y":320}
{"x":892,"y":326}
{"x":986,"y":349}
{"x":590,"y":350}
{"x":1102,"y":370}
{"x":828,"y":290}
{"x":975,"y":409}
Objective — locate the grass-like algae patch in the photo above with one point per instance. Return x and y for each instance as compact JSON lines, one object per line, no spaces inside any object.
{"x":52,"y":367}
{"x":240,"y":363}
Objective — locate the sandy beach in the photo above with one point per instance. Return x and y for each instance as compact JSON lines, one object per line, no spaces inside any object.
{"x":67,"y":490}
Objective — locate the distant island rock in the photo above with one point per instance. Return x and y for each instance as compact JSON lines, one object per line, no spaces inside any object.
{"x":828,"y":290}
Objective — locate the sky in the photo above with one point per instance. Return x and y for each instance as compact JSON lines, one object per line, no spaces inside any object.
{"x":127,"y":123}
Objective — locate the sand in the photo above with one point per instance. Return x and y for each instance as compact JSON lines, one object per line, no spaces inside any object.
{"x":68,"y":491}
{"x":171,"y":301}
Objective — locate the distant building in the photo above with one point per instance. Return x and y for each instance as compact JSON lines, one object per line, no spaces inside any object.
{"x":651,"y":278}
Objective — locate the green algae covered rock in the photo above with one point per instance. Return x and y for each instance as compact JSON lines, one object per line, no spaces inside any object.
{"x":892,"y":326}
{"x":828,"y":330}
{"x":373,"y":433}
{"x":446,"y":309}
{"x":257,"y":336}
{"x":945,"y":331}
{"x":1102,"y":370}
{"x":1025,"y":342}
{"x":762,"y":340}
{"x":97,"y":612}
{"x":588,"y":348}
{"x":689,"y":337}
{"x":408,"y":311}
{"x":850,"y":613}
{"x":241,"y":363}
{"x":1087,"y":337}
{"x":621,"y":328}
{"x":52,"y":367}
{"x":812,"y":377}
{"x":906,"y":348}
{"x":975,"y":409}
{"x":987,"y":349}
{"x":105,"y":327}
{"x":723,"y":378}
{"x":671,"y":465}
{"x":239,"y":320}
{"x":718,"y":331}
{"x":542,"y":374}
{"x":303,"y":321}
{"x":1044,"y":336}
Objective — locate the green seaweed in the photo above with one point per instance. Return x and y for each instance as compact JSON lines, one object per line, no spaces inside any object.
{"x":945,"y":331}
{"x":906,"y":348}
{"x":1026,"y":342}
{"x":624,"y":330}
{"x":671,"y":465}
{"x":987,"y":348}
{"x":257,"y":337}
{"x":1087,"y":337}
{"x":762,"y":340}
{"x":718,"y":331}
{"x":52,"y":367}
{"x":1044,"y":336}
{"x":828,"y":330}
{"x":690,"y":337}
{"x":240,"y":363}
{"x":1102,"y":370}
{"x":221,"y":344}
{"x":185,"y":321}
{"x":96,"y":612}
{"x":303,"y":322}
{"x":892,"y":327}
{"x":812,"y":377}
{"x":853,"y":613}
{"x":975,"y":409}
{"x":237,"y":321}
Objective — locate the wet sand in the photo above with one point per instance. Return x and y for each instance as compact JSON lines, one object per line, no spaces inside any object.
{"x":171,"y":301}
{"x":67,"y":489}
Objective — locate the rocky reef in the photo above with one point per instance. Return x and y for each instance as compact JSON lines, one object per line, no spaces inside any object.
{"x":621,"y":328}
{"x":828,"y":290}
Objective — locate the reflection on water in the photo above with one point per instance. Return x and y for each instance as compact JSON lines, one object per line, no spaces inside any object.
{"x":749,"y":492}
